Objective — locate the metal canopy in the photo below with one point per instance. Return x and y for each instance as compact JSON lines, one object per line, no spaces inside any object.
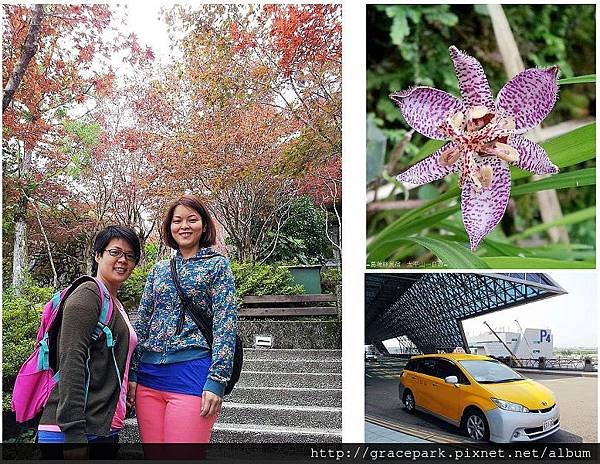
{"x":428,"y":307}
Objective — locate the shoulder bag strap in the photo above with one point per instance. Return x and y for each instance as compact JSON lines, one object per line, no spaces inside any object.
{"x":199,"y":318}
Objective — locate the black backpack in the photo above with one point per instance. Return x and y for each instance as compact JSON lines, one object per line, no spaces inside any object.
{"x":205,"y":325}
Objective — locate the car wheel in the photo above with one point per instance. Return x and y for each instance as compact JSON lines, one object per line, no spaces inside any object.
{"x":476,"y":426}
{"x":409,"y":402}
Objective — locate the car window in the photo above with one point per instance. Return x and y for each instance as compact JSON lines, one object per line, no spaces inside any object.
{"x":427,"y":367}
{"x":446,"y":368}
{"x":411,"y":365}
{"x":490,"y":371}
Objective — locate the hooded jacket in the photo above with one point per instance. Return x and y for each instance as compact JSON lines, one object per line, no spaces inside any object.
{"x":206,"y":278}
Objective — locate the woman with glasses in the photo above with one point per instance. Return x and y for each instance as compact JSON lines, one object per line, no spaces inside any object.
{"x":178,"y":380}
{"x":78,"y":412}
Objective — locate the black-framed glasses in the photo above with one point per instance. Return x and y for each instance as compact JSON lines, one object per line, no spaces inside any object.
{"x":117,"y":253}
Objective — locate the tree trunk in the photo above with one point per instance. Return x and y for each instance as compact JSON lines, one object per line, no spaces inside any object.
{"x":19,"y":255}
{"x":29,"y":49}
{"x":547,"y":199}
{"x":20,"y":243}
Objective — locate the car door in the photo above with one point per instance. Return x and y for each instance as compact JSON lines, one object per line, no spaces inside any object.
{"x":423,"y":387}
{"x":445,"y":397}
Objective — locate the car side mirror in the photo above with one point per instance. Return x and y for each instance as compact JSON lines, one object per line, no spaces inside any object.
{"x":451,"y":379}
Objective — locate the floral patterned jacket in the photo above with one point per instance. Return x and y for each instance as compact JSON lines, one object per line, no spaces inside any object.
{"x":207,"y":279}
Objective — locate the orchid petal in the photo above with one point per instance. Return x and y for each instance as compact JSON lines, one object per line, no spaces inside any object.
{"x":430,"y":168}
{"x":474,"y":86}
{"x":484,"y":207}
{"x":425,"y":108}
{"x":532,"y":157}
{"x":529,"y":97}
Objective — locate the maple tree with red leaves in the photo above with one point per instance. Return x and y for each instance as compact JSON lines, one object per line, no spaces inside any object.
{"x":248,"y":117}
{"x":59,"y":83}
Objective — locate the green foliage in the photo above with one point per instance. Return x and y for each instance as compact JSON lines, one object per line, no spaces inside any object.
{"x":81,"y":138}
{"x":20,"y":323}
{"x":6,"y":401}
{"x":151,"y":252}
{"x":131,"y":291}
{"x":263,"y":279}
{"x":302,"y":239}
{"x":330,"y":279}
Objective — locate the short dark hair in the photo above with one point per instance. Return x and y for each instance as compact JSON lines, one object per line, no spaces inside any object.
{"x":209,"y":231}
{"x":104,"y":237}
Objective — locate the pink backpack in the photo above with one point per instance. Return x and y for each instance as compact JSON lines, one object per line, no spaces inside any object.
{"x":37,"y":378}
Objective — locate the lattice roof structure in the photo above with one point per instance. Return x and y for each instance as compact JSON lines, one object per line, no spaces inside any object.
{"x":428,"y":308}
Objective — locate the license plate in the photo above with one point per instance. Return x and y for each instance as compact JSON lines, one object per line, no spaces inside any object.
{"x":547,"y":424}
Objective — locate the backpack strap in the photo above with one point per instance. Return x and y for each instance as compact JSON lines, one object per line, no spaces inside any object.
{"x":105,"y":315}
{"x":106,"y":312}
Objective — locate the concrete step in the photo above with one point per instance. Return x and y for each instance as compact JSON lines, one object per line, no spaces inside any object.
{"x":293,"y":365}
{"x":286,"y":354}
{"x":289,"y":379}
{"x":287,"y":396}
{"x":259,"y":433}
{"x":280,"y":415}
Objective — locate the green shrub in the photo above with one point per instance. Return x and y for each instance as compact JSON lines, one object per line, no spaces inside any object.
{"x":6,"y":401}
{"x":263,"y":279}
{"x":20,"y":323}
{"x":303,"y":238}
{"x":257,"y":279}
{"x":330,"y":279}
{"x":131,"y":291}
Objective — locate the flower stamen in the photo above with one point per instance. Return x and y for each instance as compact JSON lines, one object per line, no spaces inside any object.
{"x":477,"y":112}
{"x":485,"y":176}
{"x":456,"y":121}
{"x":506,"y":152}
{"x":449,"y":156}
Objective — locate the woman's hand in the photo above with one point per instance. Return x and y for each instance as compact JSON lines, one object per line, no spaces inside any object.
{"x":211,"y":404}
{"x":131,"y":387}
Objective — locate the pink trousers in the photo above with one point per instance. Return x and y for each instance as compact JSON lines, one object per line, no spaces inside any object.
{"x":165,"y":417}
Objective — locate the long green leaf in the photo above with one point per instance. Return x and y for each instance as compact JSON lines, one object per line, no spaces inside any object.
{"x":514,"y":262}
{"x":573,"y":218}
{"x":577,"y":178}
{"x":588,"y":78}
{"x":427,"y":149}
{"x":574,"y":147}
{"x":490,"y":247}
{"x":409,"y":218}
{"x":383,"y":247}
{"x":452,"y":254}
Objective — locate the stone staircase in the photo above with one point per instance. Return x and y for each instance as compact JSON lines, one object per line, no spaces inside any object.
{"x":283,"y":396}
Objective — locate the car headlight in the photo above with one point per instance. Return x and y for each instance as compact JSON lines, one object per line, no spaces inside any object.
{"x":508,"y":406}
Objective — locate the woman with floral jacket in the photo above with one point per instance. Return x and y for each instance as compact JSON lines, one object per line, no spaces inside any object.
{"x":177,"y":381}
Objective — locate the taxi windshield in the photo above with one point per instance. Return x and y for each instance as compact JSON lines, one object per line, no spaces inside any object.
{"x":490,"y":371}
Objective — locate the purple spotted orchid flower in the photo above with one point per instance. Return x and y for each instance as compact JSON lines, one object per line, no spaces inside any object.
{"x":483,"y":136}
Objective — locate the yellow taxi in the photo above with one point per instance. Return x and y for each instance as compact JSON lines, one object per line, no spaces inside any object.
{"x":484,"y":397}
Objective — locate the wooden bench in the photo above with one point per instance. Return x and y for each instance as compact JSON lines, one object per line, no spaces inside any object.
{"x":287,"y":305}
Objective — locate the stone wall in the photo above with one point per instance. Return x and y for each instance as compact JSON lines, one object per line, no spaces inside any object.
{"x":297,"y":334}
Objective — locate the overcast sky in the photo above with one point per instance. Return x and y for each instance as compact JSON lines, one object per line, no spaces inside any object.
{"x":142,"y":19}
{"x":572,"y":318}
